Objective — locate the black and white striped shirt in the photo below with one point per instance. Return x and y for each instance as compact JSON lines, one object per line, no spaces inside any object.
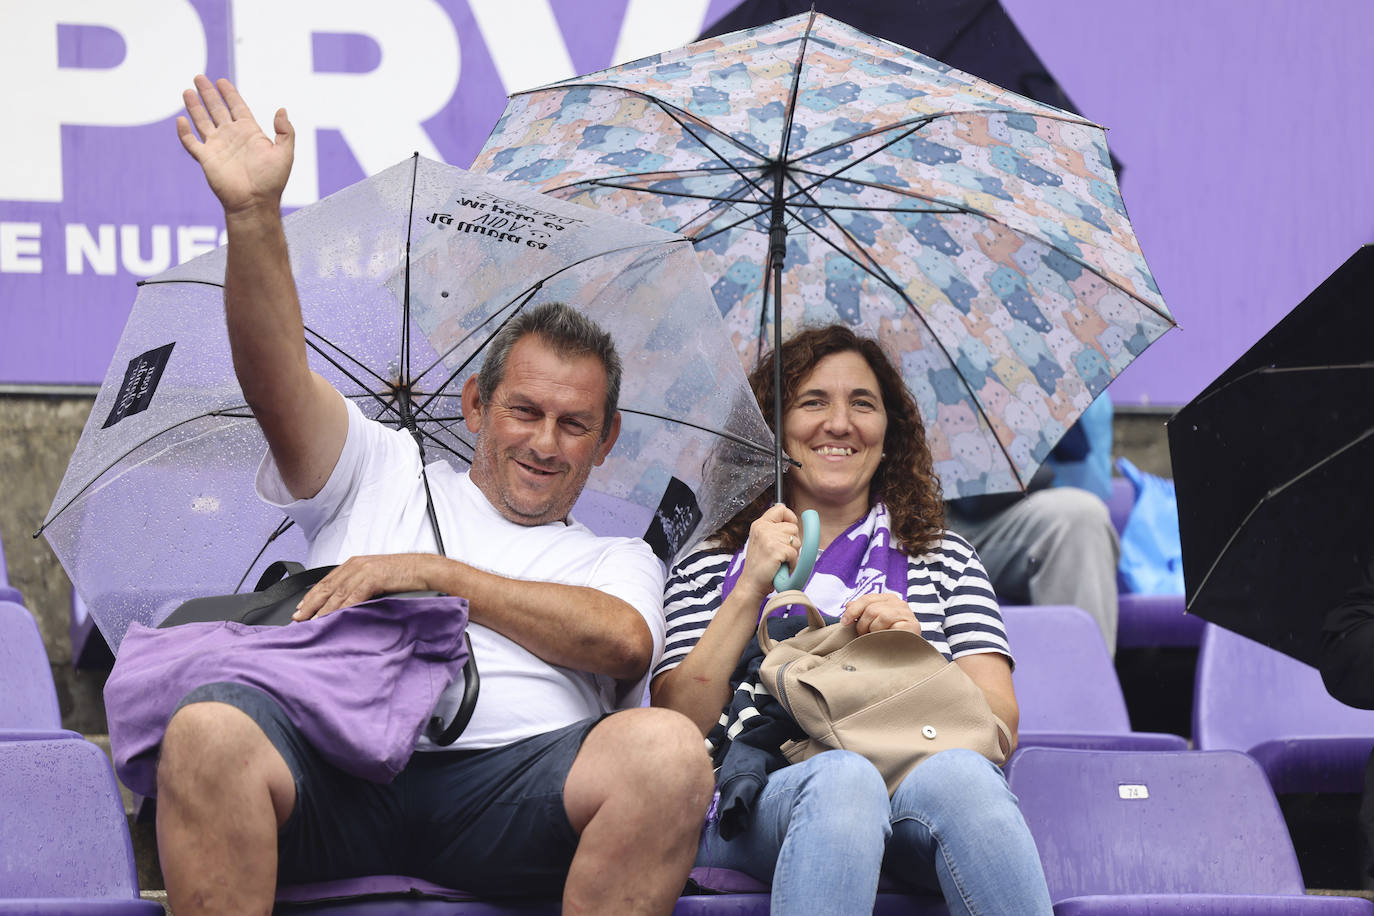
{"x":947,"y":589}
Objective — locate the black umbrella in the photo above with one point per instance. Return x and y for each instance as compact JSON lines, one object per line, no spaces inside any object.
{"x":1272,"y":467}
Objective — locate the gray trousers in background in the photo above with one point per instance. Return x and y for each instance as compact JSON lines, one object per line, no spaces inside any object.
{"x":1056,"y":546}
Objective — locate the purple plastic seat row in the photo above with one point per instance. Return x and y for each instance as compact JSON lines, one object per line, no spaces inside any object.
{"x":64,"y":847}
{"x":1147,"y":620}
{"x":1162,"y":833}
{"x":730,"y":893}
{"x":1249,"y":697}
{"x":1066,"y":686}
{"x":89,"y":648}
{"x":28,"y":696}
{"x":7,"y":592}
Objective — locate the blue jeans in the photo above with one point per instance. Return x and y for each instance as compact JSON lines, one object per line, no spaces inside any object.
{"x":823,"y":829}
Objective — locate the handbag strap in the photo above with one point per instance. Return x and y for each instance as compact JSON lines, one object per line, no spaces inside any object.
{"x":814,"y":620}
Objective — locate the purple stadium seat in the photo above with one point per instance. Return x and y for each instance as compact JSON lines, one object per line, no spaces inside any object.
{"x":64,"y":846}
{"x":1147,"y":620}
{"x":7,"y":591}
{"x":1159,"y":833}
{"x":728,"y":893}
{"x":1249,"y":697}
{"x":1066,"y":687}
{"x":89,"y":649}
{"x":28,"y":697}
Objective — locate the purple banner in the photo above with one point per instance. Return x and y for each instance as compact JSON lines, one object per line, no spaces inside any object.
{"x":1241,"y":126}
{"x":1245,"y":132}
{"x":97,"y":193}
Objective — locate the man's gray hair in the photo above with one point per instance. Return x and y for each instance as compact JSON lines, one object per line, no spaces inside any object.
{"x":569,"y":333}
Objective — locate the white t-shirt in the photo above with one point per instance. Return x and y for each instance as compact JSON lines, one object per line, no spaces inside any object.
{"x":374,"y":502}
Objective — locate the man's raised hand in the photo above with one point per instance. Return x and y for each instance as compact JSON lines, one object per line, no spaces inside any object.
{"x":245,"y":168}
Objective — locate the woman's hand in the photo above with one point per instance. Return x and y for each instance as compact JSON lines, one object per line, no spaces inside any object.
{"x":774,"y":539}
{"x":880,"y":611}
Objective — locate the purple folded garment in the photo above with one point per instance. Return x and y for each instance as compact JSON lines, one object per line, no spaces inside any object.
{"x":360,"y":683}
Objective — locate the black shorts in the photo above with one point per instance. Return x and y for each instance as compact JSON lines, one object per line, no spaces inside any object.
{"x":491,"y":822}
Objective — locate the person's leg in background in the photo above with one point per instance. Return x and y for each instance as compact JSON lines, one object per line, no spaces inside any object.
{"x":1055,"y":546}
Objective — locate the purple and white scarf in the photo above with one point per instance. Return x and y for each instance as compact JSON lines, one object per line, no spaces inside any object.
{"x":860,"y":561}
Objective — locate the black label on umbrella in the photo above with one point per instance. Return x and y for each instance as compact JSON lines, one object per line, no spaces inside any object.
{"x":677,"y":517}
{"x":140,"y":381}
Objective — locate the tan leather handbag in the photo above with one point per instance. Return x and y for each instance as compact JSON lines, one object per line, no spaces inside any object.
{"x":890,"y":696}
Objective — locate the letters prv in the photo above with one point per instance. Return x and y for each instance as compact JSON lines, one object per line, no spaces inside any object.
{"x":140,"y":381}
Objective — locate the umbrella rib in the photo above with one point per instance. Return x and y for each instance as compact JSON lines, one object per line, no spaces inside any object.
{"x":733,"y":202}
{"x":795,"y":91}
{"x":603,"y":183}
{"x":979,"y":214}
{"x":873,"y":268}
{"x":923,"y":120}
{"x":882,"y":277}
{"x":153,"y":281}
{"x":405,"y":299}
{"x":344,"y":353}
{"x":528,"y":293}
{"x":729,"y":436}
{"x":1275,"y":370}
{"x":822,"y":178}
{"x":681,"y":116}
{"x":349,"y":375}
{"x":442,"y":387}
{"x":688,"y":127}
{"x":1270,"y":494}
{"x":103,"y":471}
{"x":1049,"y":243}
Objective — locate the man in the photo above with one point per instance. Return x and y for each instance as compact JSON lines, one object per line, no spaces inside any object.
{"x":565,"y":625}
{"x":1054,"y":544}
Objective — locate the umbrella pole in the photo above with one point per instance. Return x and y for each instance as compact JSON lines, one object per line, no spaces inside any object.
{"x":777,"y":251}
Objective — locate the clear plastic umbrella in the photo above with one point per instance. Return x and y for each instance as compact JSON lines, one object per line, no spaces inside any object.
{"x":403,"y":278}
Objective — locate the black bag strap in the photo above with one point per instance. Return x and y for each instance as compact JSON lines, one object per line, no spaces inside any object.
{"x":472,"y":682}
{"x":277,"y":571}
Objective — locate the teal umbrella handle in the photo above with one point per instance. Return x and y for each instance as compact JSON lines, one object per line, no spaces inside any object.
{"x":806,"y":557}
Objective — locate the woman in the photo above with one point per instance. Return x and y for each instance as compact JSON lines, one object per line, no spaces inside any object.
{"x":820,"y":830}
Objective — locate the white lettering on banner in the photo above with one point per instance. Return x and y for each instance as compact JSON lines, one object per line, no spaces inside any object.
{"x":527,"y":46}
{"x":652,"y":26}
{"x":193,"y":241}
{"x":524,"y":41}
{"x":164,"y":43}
{"x":131,"y":250}
{"x":82,"y":248}
{"x":380,"y":113}
{"x":113,"y":245}
{"x":21,"y":247}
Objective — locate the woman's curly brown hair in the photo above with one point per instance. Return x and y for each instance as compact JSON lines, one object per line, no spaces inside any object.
{"x":905,"y":479}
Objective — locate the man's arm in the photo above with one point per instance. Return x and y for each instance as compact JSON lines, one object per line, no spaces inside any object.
{"x":300,"y":413}
{"x":568,"y":625}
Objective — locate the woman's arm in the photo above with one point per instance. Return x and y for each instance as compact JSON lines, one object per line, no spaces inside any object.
{"x":699,"y":687}
{"x":991,"y":671}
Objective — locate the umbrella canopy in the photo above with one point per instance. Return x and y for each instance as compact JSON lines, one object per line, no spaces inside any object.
{"x":976,"y":36}
{"x":1272,"y":470}
{"x":403,"y":278}
{"x":978,"y":234}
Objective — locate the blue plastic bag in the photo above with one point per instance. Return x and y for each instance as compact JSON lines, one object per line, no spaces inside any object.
{"x":1151,"y":555}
